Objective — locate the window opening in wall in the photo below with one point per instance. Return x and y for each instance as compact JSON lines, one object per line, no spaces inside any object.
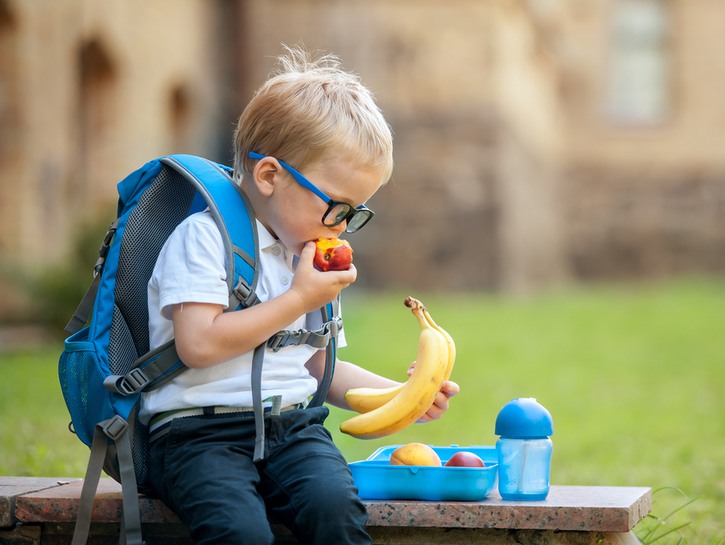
{"x":96,"y":114}
{"x":180,"y":119}
{"x":638,"y":90}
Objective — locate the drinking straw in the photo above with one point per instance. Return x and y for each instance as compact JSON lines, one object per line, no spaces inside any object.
{"x":522,"y":477}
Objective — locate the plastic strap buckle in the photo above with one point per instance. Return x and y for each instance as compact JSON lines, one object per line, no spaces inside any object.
{"x":105,"y":246}
{"x":334,"y":326}
{"x":287,"y":338}
{"x":245,"y":294}
{"x":276,"y":341}
{"x":131,"y":383}
{"x":134,"y":381}
{"x":114,"y":427}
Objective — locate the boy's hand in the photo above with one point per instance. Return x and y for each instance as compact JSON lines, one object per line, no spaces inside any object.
{"x":440,"y":404}
{"x":317,"y":288}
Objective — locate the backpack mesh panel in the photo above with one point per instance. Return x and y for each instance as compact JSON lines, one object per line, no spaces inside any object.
{"x":140,"y":452}
{"x":121,"y":347}
{"x":164,"y":204}
{"x":160,"y":209}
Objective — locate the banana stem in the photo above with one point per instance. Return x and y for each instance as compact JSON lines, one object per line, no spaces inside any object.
{"x":418,"y":310}
{"x":413,"y":304}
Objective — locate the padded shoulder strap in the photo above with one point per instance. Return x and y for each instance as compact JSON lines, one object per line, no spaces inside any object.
{"x":234,"y":215}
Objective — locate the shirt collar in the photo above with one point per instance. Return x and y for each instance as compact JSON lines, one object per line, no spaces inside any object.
{"x":267,"y":242}
{"x":265,"y":238}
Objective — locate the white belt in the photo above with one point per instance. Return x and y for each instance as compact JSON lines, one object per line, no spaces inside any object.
{"x":160,"y":420}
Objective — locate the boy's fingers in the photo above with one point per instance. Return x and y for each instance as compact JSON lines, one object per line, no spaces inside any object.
{"x":450,"y":388}
{"x":308,"y":251}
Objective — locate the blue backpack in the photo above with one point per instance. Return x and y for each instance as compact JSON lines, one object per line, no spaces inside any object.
{"x":106,"y":363}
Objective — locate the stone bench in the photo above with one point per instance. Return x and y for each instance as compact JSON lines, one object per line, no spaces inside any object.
{"x":41,"y":511}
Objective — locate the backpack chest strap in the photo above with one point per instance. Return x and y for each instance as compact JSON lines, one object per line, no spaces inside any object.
{"x":318,"y":338}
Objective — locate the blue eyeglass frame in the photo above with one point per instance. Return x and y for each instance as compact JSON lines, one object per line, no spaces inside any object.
{"x":331,"y":203}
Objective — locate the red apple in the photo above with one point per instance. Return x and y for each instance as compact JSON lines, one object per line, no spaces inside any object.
{"x":464,"y":458}
{"x":332,"y":254}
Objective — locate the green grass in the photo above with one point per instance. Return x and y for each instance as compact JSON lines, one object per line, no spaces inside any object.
{"x":33,"y":418}
{"x":633,"y":377}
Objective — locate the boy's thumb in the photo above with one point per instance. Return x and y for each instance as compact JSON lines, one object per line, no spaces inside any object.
{"x":308,"y":251}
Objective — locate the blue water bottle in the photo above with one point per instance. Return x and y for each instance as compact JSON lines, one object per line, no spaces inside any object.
{"x":524,"y":450}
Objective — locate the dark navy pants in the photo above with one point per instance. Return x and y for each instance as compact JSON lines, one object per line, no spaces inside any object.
{"x":203,"y":470}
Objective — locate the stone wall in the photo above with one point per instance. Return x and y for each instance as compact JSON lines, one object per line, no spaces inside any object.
{"x":471,"y":94}
{"x":90,"y":91}
{"x":625,"y":224}
{"x":509,"y":174}
{"x":437,"y":222}
{"x":645,"y":200}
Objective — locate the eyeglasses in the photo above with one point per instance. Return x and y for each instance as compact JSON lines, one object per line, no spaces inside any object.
{"x":337,"y":212}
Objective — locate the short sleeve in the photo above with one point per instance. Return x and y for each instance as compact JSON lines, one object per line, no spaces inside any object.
{"x":190,"y":267}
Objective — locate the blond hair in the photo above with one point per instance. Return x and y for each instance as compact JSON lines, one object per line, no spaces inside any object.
{"x":310,"y":110}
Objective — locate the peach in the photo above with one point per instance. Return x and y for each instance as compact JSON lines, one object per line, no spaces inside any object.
{"x":332,"y":254}
{"x":415,"y":454}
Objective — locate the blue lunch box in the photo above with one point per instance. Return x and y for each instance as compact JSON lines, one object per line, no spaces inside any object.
{"x":377,"y":479}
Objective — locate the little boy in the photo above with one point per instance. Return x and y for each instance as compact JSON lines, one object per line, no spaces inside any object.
{"x":320,"y":123}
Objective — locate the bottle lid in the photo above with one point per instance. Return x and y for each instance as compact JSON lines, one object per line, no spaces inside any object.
{"x":524,"y":418}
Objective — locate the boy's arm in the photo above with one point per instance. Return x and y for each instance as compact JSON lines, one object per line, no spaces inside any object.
{"x":347,"y":375}
{"x":206,"y":335}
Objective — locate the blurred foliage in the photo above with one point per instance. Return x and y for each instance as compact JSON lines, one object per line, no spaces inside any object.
{"x":57,"y":290}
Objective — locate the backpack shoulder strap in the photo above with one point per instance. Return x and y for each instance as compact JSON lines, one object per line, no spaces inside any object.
{"x":236,"y":220}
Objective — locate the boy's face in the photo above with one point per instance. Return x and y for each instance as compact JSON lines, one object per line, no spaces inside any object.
{"x":294,"y":213}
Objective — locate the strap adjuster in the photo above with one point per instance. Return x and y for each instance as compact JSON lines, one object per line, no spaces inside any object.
{"x":134,"y":381}
{"x":114,"y":427}
{"x":317,"y":339}
{"x":246,"y":296}
{"x":286,"y":338}
{"x":105,"y":246}
{"x":334,"y":326}
{"x":276,"y":341}
{"x":131,"y":383}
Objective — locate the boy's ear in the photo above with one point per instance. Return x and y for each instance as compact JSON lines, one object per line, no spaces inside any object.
{"x":264,"y":174}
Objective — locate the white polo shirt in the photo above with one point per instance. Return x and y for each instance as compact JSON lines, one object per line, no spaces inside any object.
{"x":190,"y":268}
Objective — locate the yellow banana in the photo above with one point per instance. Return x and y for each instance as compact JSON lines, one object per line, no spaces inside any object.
{"x":449,"y":342}
{"x":364,"y":400}
{"x":416,"y":395}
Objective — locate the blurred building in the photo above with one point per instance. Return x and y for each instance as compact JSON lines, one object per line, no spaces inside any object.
{"x":537,"y":141}
{"x":89,"y":91}
{"x":645,"y":165}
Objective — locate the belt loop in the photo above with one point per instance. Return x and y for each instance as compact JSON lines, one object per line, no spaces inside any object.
{"x":276,"y":405}
{"x":209,"y":411}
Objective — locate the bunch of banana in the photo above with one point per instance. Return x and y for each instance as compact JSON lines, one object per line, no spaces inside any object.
{"x":364,"y":400}
{"x":388,"y":410}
